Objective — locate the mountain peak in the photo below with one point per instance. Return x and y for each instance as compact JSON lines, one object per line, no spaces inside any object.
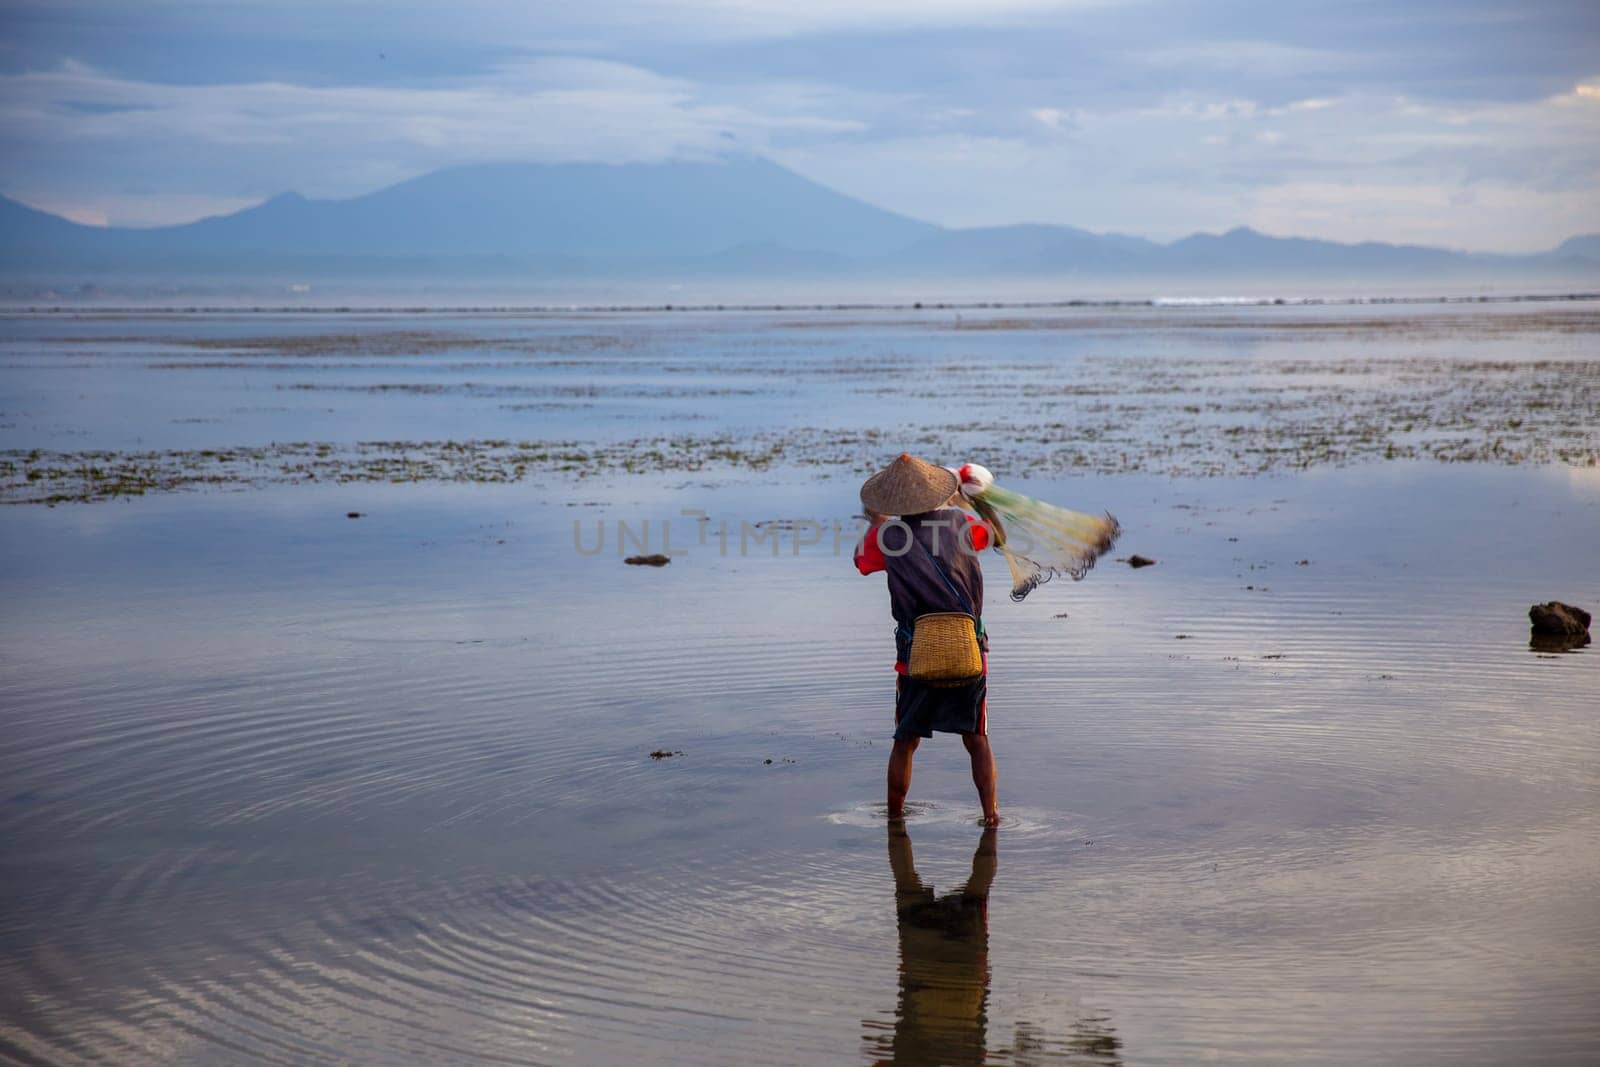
{"x":538,"y":210}
{"x":743,"y":215}
{"x":1586,"y":245}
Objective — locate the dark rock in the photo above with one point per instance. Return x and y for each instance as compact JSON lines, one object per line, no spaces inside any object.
{"x":663,"y":753}
{"x":655,"y":560}
{"x":1558,"y":643}
{"x":1140,"y":561}
{"x":352,"y":514}
{"x":1556,"y":619}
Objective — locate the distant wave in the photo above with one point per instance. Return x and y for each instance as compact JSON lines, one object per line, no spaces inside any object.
{"x":919,"y":305}
{"x":1342,"y":301}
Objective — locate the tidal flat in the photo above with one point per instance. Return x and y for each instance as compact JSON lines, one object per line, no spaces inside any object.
{"x":333,"y":720}
{"x":561,"y":398}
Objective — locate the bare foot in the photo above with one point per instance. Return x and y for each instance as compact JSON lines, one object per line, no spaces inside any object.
{"x":991,"y":820}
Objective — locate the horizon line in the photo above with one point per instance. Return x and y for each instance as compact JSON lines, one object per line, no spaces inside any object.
{"x":1163,"y":303}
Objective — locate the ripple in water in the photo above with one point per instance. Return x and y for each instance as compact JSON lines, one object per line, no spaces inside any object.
{"x":337,"y":833}
{"x":929,"y":814}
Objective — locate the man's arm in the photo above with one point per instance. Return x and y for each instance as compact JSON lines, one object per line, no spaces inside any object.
{"x":978,"y":531}
{"x":869,"y":553}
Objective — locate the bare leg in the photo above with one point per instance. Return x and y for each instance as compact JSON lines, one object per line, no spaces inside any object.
{"x":984,"y":862}
{"x":900,"y":775}
{"x":983,"y":775}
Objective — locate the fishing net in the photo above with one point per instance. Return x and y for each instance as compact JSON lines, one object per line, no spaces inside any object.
{"x":1039,"y":541}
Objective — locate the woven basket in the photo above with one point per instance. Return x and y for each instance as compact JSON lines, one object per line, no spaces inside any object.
{"x":944,"y":649}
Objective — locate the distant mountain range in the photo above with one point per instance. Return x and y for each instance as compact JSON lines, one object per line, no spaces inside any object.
{"x":742,"y":218}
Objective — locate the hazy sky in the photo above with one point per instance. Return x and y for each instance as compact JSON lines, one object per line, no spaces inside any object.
{"x":1464,"y":123}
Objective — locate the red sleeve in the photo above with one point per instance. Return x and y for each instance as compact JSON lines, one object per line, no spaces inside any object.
{"x":980,"y":533}
{"x":869,"y":554}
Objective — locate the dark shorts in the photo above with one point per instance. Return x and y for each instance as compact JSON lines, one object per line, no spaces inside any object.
{"x":920,"y":709}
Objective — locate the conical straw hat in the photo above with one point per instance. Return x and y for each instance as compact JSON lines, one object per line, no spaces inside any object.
{"x":909,"y":486}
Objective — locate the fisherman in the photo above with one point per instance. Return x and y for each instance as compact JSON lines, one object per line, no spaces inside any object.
{"x":930,"y":554}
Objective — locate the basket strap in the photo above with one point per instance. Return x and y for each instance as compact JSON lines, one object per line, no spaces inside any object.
{"x":966,"y":605}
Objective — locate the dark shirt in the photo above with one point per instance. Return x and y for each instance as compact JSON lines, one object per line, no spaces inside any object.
{"x":916,"y":586}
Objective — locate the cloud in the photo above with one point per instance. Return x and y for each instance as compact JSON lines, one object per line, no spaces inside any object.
{"x":1053,"y":117}
{"x":265,"y":137}
{"x":1512,"y":177}
{"x":1158,"y":117}
{"x":784,"y":18}
{"x":1432,"y":213}
{"x":1202,"y":60}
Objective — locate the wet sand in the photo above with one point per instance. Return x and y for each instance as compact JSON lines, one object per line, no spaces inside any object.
{"x":281,"y":786}
{"x":1202,"y":392}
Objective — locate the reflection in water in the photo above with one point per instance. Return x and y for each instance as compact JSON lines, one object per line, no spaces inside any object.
{"x":942,"y":1015}
{"x":944,"y":960}
{"x":1093,"y":1040}
{"x":1558,"y":642}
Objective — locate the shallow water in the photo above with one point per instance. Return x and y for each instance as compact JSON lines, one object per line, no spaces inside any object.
{"x":1177,"y":391}
{"x":283,"y":786}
